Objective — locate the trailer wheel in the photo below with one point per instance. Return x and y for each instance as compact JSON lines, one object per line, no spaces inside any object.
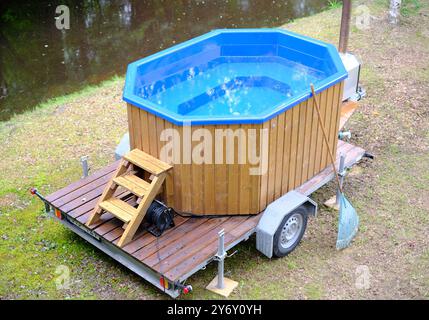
{"x":290,"y":232}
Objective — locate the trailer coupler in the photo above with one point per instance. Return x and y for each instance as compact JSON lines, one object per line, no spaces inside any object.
{"x":34,"y":192}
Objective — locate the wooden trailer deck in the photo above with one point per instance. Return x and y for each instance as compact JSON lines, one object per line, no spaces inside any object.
{"x":181,"y":250}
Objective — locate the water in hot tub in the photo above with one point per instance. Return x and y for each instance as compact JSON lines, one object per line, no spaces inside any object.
{"x":231,"y":88}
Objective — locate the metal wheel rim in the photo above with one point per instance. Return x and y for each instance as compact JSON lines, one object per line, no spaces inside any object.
{"x":291,"y":231}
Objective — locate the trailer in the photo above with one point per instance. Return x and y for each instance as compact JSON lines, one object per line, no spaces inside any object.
{"x":169,"y":260}
{"x":166,"y":217}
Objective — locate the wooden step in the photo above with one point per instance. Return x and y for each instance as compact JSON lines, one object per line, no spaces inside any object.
{"x":119,"y":209}
{"x":133,"y":183}
{"x":147,"y":162}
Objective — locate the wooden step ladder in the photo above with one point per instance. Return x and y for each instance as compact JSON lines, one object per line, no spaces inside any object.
{"x":144,"y":190}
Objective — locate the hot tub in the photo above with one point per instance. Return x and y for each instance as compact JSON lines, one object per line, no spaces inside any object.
{"x":247,"y":91}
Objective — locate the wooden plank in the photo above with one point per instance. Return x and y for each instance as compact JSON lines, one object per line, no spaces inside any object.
{"x":173,"y":242}
{"x":245,"y":186}
{"x":144,"y":238}
{"x":255,"y":179}
{"x":279,"y":155}
{"x":314,"y":137}
{"x":221,"y":174}
{"x":197,"y":187}
{"x":319,"y":140}
{"x":264,"y":177}
{"x":132,"y":183}
{"x":153,"y":141}
{"x":174,"y":253}
{"x":293,"y":147}
{"x":78,"y":193}
{"x":209,"y":178}
{"x":82,"y":182}
{"x":287,"y":150}
{"x":119,"y":208}
{"x":234,"y":178}
{"x":347,"y":110}
{"x":307,"y":139}
{"x":339,"y":101}
{"x":130,"y":125}
{"x":147,"y":162}
{"x":144,"y":130}
{"x":330,"y":117}
{"x":300,"y":145}
{"x":108,"y":226}
{"x":136,"y":127}
{"x":272,"y":160}
{"x":192,"y":257}
{"x":169,"y":180}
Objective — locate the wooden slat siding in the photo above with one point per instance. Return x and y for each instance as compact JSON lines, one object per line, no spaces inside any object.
{"x":198,"y":257}
{"x":221,"y":179}
{"x":178,"y":171}
{"x":339,"y":103}
{"x":300,"y":146}
{"x":197,"y":187}
{"x":167,"y":258}
{"x":131,"y":124}
{"x":169,"y":180}
{"x":272,"y":160}
{"x":294,"y":145}
{"x":307,"y":140}
{"x":330,"y":117}
{"x":294,"y":157}
{"x":234,"y":177}
{"x":319,"y":140}
{"x":171,"y":248}
{"x":333,"y":130}
{"x":153,"y":142}
{"x":287,"y":150}
{"x":255,"y":179}
{"x":264,"y":176}
{"x":245,"y":177}
{"x":138,"y":130}
{"x":144,"y":130}
{"x":80,"y":183}
{"x":313,"y":139}
{"x":209,"y":198}
{"x":279,"y":156}
{"x":160,"y":126}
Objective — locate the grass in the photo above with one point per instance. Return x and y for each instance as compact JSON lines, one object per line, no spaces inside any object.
{"x":42,"y":148}
{"x":334,"y":4}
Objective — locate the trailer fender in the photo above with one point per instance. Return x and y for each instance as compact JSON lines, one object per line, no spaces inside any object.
{"x":273,"y":216}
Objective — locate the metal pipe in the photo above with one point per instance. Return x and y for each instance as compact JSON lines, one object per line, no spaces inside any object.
{"x":85,"y":167}
{"x":221,"y":258}
{"x":345,"y":26}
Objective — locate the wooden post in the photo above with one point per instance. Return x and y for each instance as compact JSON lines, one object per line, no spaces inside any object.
{"x":345,"y":26}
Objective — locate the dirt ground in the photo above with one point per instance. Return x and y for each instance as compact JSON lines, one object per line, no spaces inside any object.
{"x":389,"y":258}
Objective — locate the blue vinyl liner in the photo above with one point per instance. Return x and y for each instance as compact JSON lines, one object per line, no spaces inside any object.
{"x":236,"y":76}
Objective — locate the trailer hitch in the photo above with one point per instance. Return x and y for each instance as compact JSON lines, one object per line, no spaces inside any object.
{"x":34,"y":192}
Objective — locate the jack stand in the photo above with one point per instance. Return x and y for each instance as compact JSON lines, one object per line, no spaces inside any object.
{"x":221,"y":285}
{"x":334,"y":202}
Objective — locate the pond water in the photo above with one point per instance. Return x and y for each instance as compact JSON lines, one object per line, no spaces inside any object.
{"x":38,"y":61}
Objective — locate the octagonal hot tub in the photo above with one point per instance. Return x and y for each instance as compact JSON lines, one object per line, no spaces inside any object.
{"x":249,"y":90}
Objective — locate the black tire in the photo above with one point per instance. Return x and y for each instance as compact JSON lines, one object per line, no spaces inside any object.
{"x":281,"y":247}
